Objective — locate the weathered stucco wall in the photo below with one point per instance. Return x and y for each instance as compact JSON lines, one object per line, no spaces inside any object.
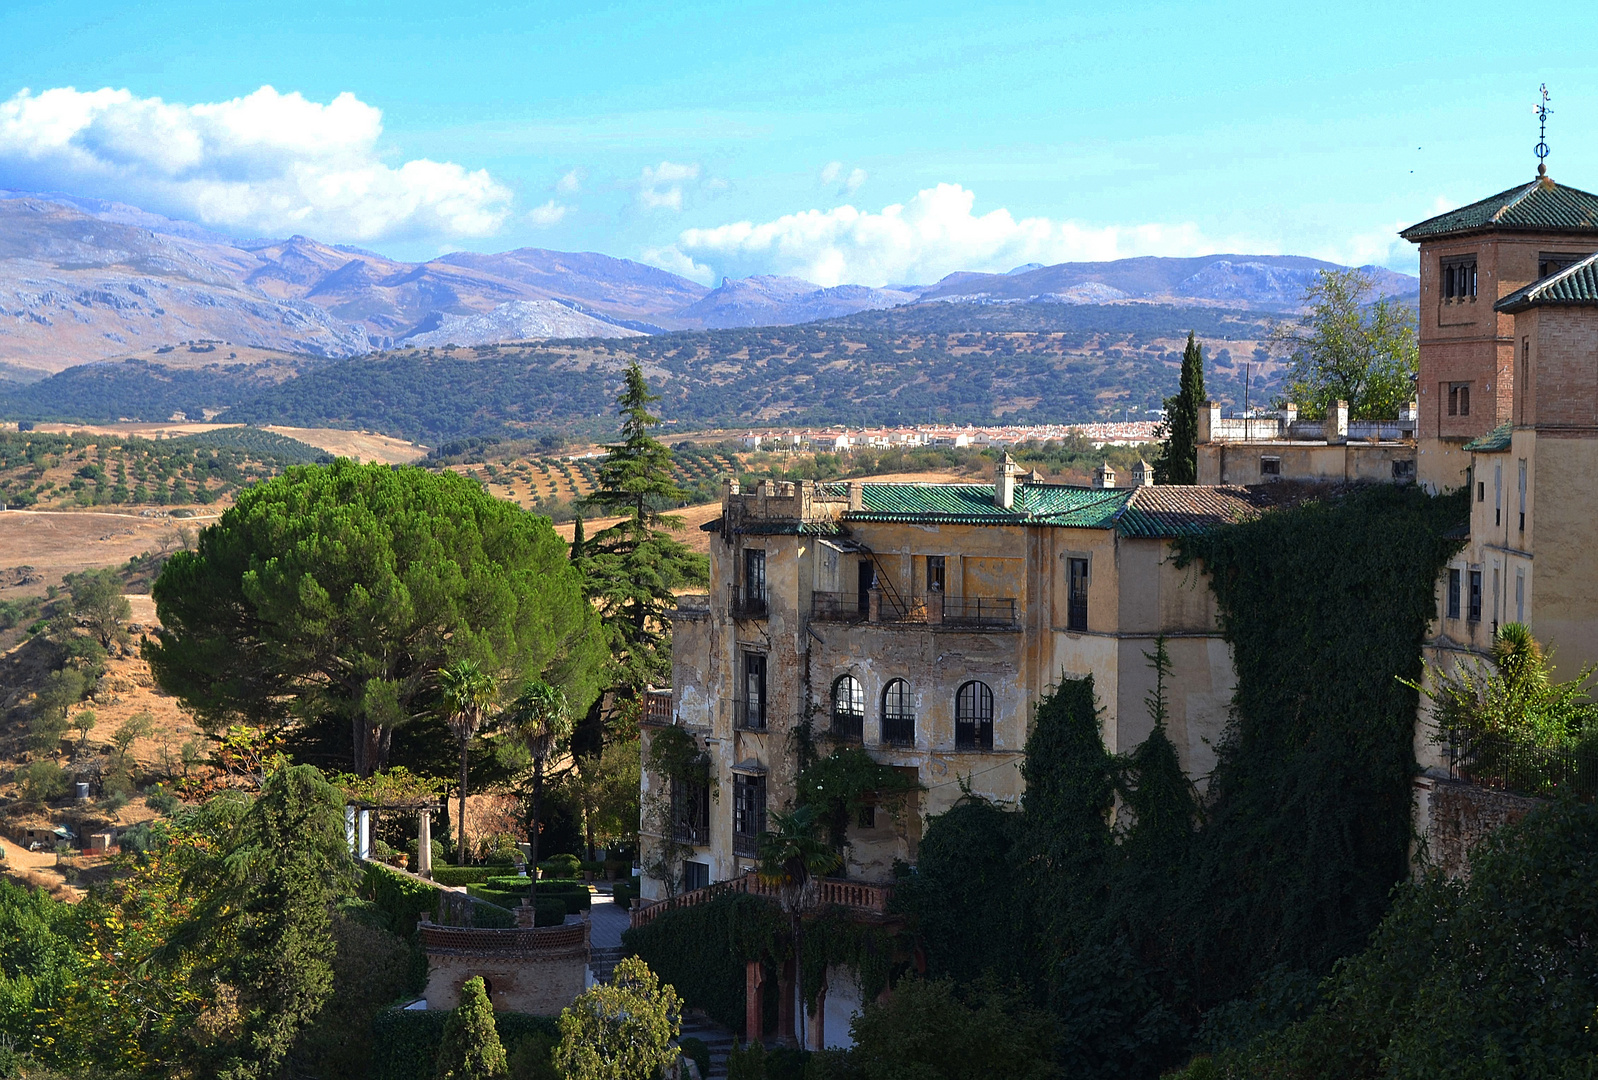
{"x":541,"y":982}
{"x":1453,"y":817}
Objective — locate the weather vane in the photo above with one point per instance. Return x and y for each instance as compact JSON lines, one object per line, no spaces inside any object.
{"x":1541,"y":149}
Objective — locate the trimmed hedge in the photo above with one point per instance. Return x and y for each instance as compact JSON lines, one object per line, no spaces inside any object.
{"x":624,"y":893}
{"x":406,"y":1041}
{"x":465,"y":875}
{"x":398,"y":900}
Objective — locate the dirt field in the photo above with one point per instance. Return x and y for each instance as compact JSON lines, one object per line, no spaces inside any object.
{"x":366,"y":445}
{"x":62,"y":542}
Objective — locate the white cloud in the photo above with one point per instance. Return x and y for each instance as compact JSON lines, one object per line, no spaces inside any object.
{"x":671,"y":258}
{"x":267,"y":162}
{"x":548,"y":214}
{"x":933,"y":234}
{"x":661,"y":187}
{"x":571,"y":183}
{"x":847,"y":183}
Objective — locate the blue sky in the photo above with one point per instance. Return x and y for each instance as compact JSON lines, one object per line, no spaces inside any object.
{"x":752,"y":138}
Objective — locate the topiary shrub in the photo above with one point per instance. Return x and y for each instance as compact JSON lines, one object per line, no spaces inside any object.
{"x":455,"y":876}
{"x":471,"y":1049}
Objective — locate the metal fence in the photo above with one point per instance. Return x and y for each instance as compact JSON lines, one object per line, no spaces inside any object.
{"x":746,"y":603}
{"x":1525,"y":769}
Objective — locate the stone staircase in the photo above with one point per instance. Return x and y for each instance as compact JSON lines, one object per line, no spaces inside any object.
{"x":602,"y":961}
{"x":718,"y":1038}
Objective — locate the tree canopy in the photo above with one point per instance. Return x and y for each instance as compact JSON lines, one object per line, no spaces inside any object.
{"x":1344,"y":349}
{"x":326,"y":601}
{"x":1178,"y":459}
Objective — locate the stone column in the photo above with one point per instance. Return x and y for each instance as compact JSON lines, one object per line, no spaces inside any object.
{"x":754,"y":1015}
{"x":785,"y":1004}
{"x":424,"y":844}
{"x":816,"y":1028}
{"x":364,"y":835}
{"x":349,"y":828}
{"x":874,"y":605}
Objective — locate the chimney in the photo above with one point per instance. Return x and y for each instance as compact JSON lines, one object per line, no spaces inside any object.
{"x":857,"y":495}
{"x":1142,"y":474}
{"x":1337,"y":423}
{"x":1209,"y":421}
{"x":1004,"y":483}
{"x":1104,"y":476}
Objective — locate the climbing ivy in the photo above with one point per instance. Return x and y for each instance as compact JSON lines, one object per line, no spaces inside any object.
{"x":846,"y":781}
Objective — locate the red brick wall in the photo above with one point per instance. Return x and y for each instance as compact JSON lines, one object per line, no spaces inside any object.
{"x":1563,"y":380}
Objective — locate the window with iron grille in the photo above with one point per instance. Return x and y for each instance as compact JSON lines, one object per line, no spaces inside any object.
{"x":898,"y":714}
{"x":690,"y":813}
{"x":1453,"y":592}
{"x":748,"y":813}
{"x":1473,"y":610}
{"x":1076,"y":616}
{"x":695,"y":875}
{"x":751,"y":708}
{"x":848,"y":708}
{"x":753,"y":600}
{"x":973,"y":717}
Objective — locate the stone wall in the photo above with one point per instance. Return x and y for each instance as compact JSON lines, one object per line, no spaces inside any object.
{"x":527,"y":971}
{"x":1453,"y":816}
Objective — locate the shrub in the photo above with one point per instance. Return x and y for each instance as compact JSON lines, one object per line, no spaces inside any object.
{"x":492,"y":917}
{"x":399,"y":899}
{"x":696,"y":1051}
{"x":42,"y":780}
{"x":471,"y":1049}
{"x":624,"y":893}
{"x":406,"y":1042}
{"x":463,"y":875}
{"x":565,"y":866}
{"x":511,"y":883}
{"x":621,"y":1029}
{"x":747,"y":1062}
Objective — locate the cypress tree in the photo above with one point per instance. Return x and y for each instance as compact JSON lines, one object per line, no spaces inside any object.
{"x":471,"y":1049}
{"x":635,"y":566}
{"x":1178,"y":459}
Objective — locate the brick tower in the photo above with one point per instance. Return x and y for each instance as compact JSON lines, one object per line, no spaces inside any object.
{"x":1470,"y":259}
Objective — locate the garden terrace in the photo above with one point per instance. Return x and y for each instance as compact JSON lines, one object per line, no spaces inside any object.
{"x":867,"y":898}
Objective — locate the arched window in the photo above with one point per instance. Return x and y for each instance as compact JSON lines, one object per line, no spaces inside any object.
{"x":848,"y":708}
{"x":898,"y":714}
{"x":973,"y":717}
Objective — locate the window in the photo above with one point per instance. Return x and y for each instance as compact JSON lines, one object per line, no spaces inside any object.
{"x":1270,"y":466}
{"x":934,"y":573}
{"x":1551,"y":262}
{"x":848,"y":708}
{"x":1497,"y":598}
{"x":1525,"y":375}
{"x":690,"y":813}
{"x":1459,"y":399}
{"x":1520,"y":596}
{"x":865,"y":582}
{"x":1076,"y":615}
{"x":695,"y":875}
{"x":748,"y":813}
{"x":1522,"y":494}
{"x":1498,"y":494}
{"x":1453,"y":592}
{"x":866,"y":817}
{"x":754,"y":594}
{"x":751,"y":708}
{"x":1459,"y":278}
{"x":1473,"y":612}
{"x":1404,"y":469}
{"x":973,"y":717}
{"x":1481,"y":491}
{"x":898,"y":714}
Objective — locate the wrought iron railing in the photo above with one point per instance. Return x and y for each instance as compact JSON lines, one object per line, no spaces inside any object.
{"x":747,"y":603}
{"x":837,"y":607}
{"x":749,"y":715}
{"x":899,"y":728}
{"x":1493,"y":761}
{"x":979,"y":610}
{"x":745,"y":844}
{"x":849,"y":726}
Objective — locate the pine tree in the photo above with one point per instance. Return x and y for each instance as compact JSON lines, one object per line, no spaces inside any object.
{"x":635,"y":566}
{"x":1178,"y":460}
{"x":471,"y":1049}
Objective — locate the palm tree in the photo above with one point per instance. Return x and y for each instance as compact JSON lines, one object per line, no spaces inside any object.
{"x":792,"y":856}
{"x":467,"y":691}
{"x":541,"y":717}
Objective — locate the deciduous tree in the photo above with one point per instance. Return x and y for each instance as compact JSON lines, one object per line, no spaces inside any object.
{"x":620,"y":1030}
{"x":1344,"y":349}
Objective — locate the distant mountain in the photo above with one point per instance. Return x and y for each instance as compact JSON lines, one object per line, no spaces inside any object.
{"x":778,"y":301}
{"x":1261,"y":282}
{"x":517,"y":320}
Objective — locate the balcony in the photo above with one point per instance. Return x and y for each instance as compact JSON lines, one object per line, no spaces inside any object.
{"x":696,"y":834}
{"x":746,"y":845}
{"x":749,"y":715}
{"x":747,"y":603}
{"x":657,"y":707}
{"x":836,"y":607}
{"x":848,"y":726}
{"x":932,"y":610}
{"x":979,"y":611}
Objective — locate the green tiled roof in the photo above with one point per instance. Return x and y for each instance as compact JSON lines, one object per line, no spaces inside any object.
{"x":972,"y":504}
{"x":1495,"y":441}
{"x":1576,"y":284}
{"x":1537,"y":206}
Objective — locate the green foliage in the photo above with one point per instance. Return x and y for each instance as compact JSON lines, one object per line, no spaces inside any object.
{"x":702,"y":951}
{"x":747,"y":1061}
{"x":372,"y":969}
{"x":471,"y":1049}
{"x":621,"y":1030}
{"x":635,"y":566}
{"x":1343,"y":349}
{"x":406,"y":1043}
{"x":1325,"y":606}
{"x":561,"y":867}
{"x":41,"y":781}
{"x":455,"y":876}
{"x":846,"y":781}
{"x":1177,"y":462}
{"x":926,"y":1032}
{"x":39,"y":955}
{"x":696,"y":1051}
{"x":1488,"y":977}
{"x":327,"y":600}
{"x":97,"y":602}
{"x":398,"y":899}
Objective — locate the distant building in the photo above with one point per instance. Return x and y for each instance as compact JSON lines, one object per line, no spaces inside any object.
{"x":1265,"y":447}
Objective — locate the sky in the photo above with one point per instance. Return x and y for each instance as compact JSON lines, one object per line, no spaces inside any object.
{"x":869,"y":143}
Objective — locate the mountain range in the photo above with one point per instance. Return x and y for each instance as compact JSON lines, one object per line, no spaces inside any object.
{"x":83,"y":280}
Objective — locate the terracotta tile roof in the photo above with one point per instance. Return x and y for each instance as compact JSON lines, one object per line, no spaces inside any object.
{"x":1495,"y":441}
{"x":1541,"y":205}
{"x":1576,"y":285}
{"x":1181,"y":510}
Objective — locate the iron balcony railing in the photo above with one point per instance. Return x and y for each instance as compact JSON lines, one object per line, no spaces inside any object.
{"x":979,"y":610}
{"x":1493,"y":761}
{"x":745,"y":603}
{"x":899,"y":728}
{"x":837,"y":607}
{"x":744,"y":844}
{"x":749,"y":715}
{"x":932,"y":609}
{"x":690,"y":832}
{"x":849,"y":726}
